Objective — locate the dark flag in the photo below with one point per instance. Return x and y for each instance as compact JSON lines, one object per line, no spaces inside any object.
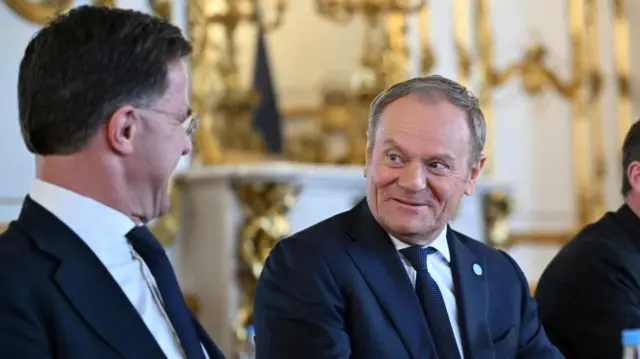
{"x":266,"y":117}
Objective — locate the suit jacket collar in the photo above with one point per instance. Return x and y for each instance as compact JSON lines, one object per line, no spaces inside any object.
{"x":472,"y":297}
{"x":88,"y":285}
{"x":376,"y":257}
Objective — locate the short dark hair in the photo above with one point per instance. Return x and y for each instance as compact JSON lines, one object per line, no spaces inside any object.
{"x":630,"y":154}
{"x":85,"y":64}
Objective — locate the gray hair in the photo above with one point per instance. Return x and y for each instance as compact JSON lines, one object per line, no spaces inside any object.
{"x":434,"y":88}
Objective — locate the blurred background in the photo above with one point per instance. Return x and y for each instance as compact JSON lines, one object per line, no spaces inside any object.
{"x":283,"y":89}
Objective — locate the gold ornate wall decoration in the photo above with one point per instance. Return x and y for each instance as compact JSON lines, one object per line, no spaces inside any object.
{"x":489,"y":77}
{"x":162,"y":8}
{"x":378,"y":63}
{"x":383,"y":61}
{"x":428,"y":56}
{"x":583,"y":89}
{"x":497,"y":206}
{"x":265,"y":206}
{"x":622,"y":68}
{"x":39,"y":12}
{"x":461,"y":34}
{"x":106,"y":3}
{"x":225,"y":107}
{"x":165,"y":228}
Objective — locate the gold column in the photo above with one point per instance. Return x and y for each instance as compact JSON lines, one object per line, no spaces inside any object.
{"x":461,"y":35}
{"x":580,"y":121}
{"x":621,"y":62}
{"x":596,"y":204}
{"x":428,"y":57}
{"x":396,"y":29}
{"x":485,"y":75}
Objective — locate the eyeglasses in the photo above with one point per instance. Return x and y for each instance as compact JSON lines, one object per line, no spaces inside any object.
{"x":188,"y":124}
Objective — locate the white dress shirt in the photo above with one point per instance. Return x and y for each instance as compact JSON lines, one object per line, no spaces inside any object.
{"x":103,"y":229}
{"x":440,"y":270}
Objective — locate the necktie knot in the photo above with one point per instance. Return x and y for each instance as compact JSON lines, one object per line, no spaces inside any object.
{"x":144,"y":243}
{"x":417,"y":256}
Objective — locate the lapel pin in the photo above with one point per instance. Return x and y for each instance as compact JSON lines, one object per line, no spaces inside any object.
{"x":477,"y":269}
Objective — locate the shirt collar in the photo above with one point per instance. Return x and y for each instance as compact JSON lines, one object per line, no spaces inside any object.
{"x":102,"y":228}
{"x":440,"y":244}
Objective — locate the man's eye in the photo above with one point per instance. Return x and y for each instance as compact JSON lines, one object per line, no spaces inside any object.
{"x":393,"y":157}
{"x":438,"y":165}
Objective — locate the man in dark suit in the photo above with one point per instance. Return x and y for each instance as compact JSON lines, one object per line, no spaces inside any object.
{"x":102,"y":98}
{"x":389,"y":278}
{"x":590,"y":292}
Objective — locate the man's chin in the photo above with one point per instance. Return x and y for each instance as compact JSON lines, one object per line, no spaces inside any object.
{"x":410,"y":228}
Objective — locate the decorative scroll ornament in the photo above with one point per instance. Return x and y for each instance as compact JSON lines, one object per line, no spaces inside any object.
{"x":39,"y":12}
{"x":162,"y":8}
{"x":265,"y":206}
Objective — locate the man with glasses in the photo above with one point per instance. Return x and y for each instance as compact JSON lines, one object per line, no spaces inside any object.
{"x":102,"y":100}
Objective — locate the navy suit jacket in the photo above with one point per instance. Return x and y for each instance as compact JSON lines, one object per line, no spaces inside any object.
{"x":339,"y":290}
{"x":57,"y":300}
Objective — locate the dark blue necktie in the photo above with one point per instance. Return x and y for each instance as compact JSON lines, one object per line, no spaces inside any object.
{"x":146,"y":245}
{"x":432,"y":303}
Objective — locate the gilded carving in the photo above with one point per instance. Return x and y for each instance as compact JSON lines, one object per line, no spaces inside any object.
{"x":39,"y":12}
{"x":265,"y":206}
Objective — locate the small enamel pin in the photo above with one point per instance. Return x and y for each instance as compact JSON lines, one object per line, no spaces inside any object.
{"x":477,"y":269}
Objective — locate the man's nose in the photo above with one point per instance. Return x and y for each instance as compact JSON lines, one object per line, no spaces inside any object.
{"x":187,"y":146}
{"x":413,"y":177}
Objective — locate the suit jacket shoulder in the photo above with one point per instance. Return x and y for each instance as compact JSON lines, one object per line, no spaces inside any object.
{"x":590,"y":291}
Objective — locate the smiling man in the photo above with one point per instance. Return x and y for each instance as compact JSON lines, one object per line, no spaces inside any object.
{"x":390,"y":278}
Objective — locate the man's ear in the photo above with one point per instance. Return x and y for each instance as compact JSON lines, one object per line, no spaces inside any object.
{"x":367,"y":156}
{"x":633,"y":175}
{"x":470,"y":186}
{"x":121,"y":128}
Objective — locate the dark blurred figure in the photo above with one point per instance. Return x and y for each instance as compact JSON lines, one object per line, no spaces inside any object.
{"x":590,"y":291}
{"x":102,"y":97}
{"x":390,"y":279}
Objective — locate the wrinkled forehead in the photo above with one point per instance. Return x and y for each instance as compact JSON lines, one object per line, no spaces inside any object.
{"x":423,"y":121}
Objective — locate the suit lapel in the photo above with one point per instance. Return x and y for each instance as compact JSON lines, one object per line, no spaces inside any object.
{"x":377,"y":259}
{"x":88,"y":285}
{"x":472,"y":295}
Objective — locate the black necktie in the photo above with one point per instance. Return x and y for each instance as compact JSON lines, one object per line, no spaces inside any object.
{"x":146,"y":245}
{"x":432,"y":303}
